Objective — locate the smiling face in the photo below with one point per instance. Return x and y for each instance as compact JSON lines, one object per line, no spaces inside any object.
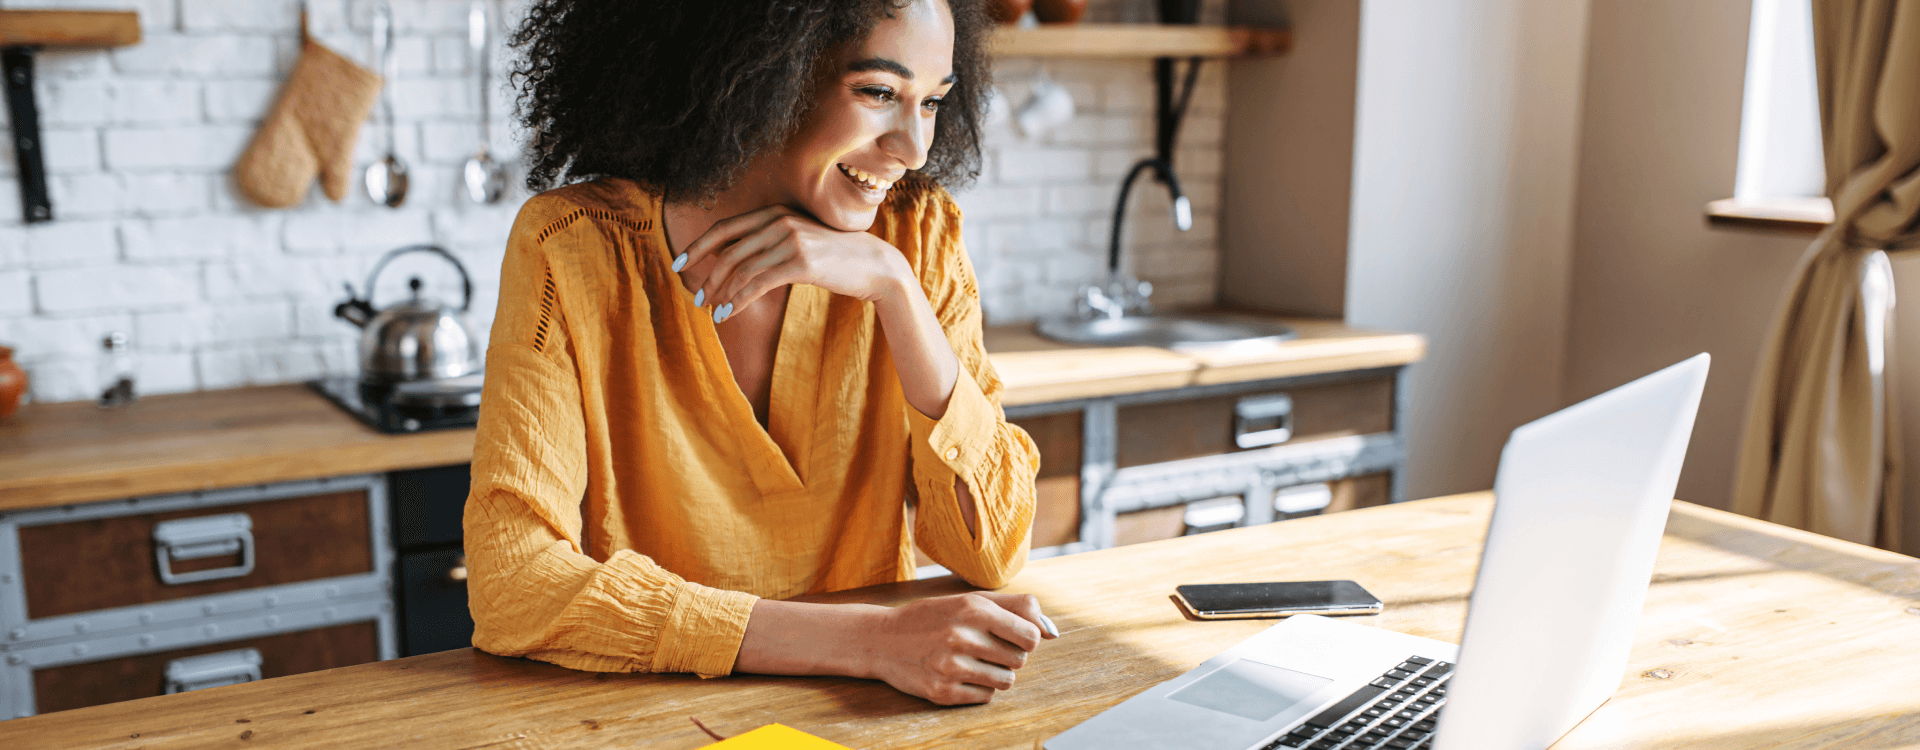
{"x":872,"y":119}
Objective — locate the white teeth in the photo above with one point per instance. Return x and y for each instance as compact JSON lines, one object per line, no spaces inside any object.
{"x":866,"y":180}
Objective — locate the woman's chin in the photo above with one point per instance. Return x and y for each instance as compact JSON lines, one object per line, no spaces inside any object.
{"x":847,"y":218}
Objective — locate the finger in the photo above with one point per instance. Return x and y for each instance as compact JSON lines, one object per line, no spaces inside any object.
{"x":1026,"y":625}
{"x":726,"y":231}
{"x":741,"y":251}
{"x":695,"y":276}
{"x":997,"y":652}
{"x":990,"y":675}
{"x":749,"y":270}
{"x":764,"y":282}
{"x":960,"y":694}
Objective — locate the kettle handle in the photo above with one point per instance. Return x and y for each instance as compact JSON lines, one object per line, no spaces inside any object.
{"x":466,"y":282}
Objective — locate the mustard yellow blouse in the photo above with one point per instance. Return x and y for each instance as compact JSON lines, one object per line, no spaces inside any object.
{"x":627,"y":509}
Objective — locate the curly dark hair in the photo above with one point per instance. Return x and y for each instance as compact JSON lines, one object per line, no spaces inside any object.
{"x":682,"y":94}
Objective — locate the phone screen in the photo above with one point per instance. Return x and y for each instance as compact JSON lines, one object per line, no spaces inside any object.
{"x":1279,"y":597}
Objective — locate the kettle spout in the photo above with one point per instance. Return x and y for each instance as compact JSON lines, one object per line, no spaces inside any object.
{"x":355,"y":310}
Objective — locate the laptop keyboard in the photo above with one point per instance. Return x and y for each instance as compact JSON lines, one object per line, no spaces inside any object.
{"x":1397,"y":711}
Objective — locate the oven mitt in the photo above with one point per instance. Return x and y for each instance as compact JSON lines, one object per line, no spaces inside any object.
{"x":310,"y":131}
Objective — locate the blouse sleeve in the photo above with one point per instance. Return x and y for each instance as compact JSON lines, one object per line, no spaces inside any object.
{"x":532,"y":590}
{"x":972,"y":442}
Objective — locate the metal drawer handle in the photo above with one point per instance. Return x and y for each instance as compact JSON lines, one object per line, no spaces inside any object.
{"x":206,"y":536}
{"x":458,"y":573}
{"x":1263,"y":420}
{"x":1215,"y":513}
{"x":213,"y":670}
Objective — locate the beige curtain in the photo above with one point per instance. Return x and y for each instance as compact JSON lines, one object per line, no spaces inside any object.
{"x":1820,"y":449}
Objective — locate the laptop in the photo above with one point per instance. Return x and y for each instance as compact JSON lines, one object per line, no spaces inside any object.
{"x":1581,"y":499}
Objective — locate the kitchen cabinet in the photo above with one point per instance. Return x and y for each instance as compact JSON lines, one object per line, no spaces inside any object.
{"x":110,"y":601}
{"x":1149,"y":465}
{"x":431,"y":583}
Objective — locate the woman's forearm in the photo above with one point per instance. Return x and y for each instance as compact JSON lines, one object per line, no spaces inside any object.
{"x":921,"y":353}
{"x":797,"y":638}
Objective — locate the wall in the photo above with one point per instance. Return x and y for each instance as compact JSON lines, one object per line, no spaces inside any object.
{"x":1462,"y":203}
{"x":1652,"y":282}
{"x":1290,"y":181}
{"x":152,"y":241}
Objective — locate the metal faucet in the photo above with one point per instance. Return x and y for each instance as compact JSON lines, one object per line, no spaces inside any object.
{"x":1122,"y":294}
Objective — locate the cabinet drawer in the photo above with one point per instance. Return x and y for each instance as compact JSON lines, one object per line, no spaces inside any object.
{"x":1169,"y":431}
{"x":129,"y":677}
{"x":101,"y":563}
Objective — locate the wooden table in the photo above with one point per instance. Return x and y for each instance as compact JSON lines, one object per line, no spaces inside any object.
{"x":1754,"y":636}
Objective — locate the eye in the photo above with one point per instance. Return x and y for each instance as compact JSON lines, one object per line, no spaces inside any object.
{"x":932,"y":104}
{"x":878,"y":93}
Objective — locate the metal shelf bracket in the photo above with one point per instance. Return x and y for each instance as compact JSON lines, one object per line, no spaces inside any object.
{"x":24,"y":114}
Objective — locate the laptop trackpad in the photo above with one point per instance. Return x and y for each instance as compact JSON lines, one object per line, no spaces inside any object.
{"x":1249,"y":689}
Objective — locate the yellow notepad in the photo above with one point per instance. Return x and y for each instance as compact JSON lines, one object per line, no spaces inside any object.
{"x":777,"y":737}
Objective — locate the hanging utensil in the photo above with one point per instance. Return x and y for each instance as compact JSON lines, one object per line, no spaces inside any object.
{"x":387,"y":178}
{"x":486,"y":179}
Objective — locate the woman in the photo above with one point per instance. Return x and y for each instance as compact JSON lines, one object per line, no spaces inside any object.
{"x":744,"y":359}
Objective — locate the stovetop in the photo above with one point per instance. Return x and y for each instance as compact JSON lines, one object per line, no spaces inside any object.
{"x":386,"y":410}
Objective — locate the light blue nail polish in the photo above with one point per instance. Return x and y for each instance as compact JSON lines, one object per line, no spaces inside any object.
{"x":720,"y":313}
{"x":700,"y":298}
{"x":679,"y":262}
{"x":1052,"y":629}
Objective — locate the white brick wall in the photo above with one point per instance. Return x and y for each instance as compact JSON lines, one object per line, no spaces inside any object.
{"x":151,"y":239}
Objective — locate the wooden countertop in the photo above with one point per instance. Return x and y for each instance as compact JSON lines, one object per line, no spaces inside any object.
{"x":56,"y":454}
{"x":1754,"y":635}
{"x":1036,"y":370}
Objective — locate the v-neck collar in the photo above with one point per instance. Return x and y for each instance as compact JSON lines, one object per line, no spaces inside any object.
{"x":791,"y":395}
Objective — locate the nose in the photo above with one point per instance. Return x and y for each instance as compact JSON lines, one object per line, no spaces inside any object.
{"x":909,"y":137}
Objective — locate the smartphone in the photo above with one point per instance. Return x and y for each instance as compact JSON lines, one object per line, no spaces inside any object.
{"x":1239,"y":601}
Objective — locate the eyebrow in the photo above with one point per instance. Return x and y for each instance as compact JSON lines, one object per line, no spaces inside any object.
{"x":889,"y":66}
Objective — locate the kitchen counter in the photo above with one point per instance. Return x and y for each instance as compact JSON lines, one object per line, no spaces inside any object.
{"x":56,"y":454}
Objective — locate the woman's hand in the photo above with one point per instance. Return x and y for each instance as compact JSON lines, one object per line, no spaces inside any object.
{"x":947,"y":649}
{"x":957,"y":649}
{"x":745,"y":256}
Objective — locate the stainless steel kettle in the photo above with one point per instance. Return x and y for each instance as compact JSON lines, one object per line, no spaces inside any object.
{"x":418,"y":339}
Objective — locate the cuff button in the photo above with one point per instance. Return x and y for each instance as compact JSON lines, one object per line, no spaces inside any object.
{"x":953,"y":453}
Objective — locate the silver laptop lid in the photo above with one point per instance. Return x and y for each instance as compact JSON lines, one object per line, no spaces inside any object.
{"x":1580,"y":503}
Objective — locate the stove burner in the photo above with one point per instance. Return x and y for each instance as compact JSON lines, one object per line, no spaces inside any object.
{"x":407,"y":407}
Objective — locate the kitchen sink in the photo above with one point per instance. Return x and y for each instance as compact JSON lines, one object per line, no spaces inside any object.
{"x":1163,"y":330}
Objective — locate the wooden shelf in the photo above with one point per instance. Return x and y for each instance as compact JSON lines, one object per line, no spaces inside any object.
{"x":1141,"y":40}
{"x":69,"y":28}
{"x":1805,"y":215}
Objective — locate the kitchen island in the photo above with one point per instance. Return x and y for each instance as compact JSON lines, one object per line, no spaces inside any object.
{"x":1754,"y":635}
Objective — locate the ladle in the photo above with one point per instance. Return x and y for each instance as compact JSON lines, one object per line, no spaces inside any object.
{"x":387,"y":178}
{"x":486,"y":178}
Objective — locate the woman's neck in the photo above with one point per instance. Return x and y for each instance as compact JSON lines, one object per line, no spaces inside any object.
{"x":686,"y":220}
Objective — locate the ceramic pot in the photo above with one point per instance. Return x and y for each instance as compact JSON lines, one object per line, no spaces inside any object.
{"x":1060,"y":11}
{"x":1008,"y":11}
{"x":13,"y":383}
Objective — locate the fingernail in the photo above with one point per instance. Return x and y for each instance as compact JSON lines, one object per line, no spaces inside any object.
{"x":679,"y":262}
{"x":699,"y":297}
{"x":720,"y":313}
{"x":1047,"y":622}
